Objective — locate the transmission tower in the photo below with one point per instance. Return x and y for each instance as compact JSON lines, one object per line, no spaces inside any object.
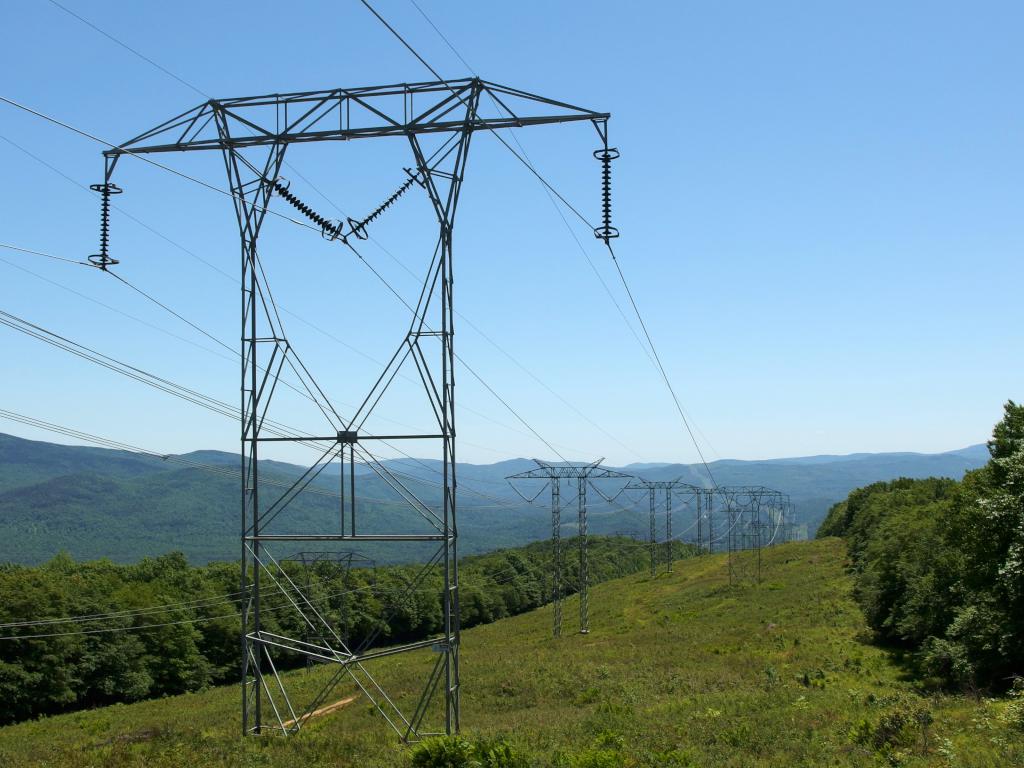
{"x":754,"y":518}
{"x":334,"y":568}
{"x":667,"y":487}
{"x":709,"y":508}
{"x":583,"y":475}
{"x":790,"y":521}
{"x":701,"y":524}
{"x":437,"y":120}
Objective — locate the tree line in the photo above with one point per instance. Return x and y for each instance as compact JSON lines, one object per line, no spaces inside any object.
{"x":939,"y":564}
{"x":161,"y":627}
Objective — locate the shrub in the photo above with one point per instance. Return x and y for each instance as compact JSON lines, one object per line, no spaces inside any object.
{"x":1013,"y":715}
{"x":457,"y":752}
{"x":444,"y":752}
{"x":498,"y":753}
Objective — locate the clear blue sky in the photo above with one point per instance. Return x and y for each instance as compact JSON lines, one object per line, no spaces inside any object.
{"x":820,"y":207}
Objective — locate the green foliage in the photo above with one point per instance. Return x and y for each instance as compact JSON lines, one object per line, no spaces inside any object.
{"x":457,"y":752}
{"x":498,"y":753}
{"x":102,"y":503}
{"x":679,"y":664}
{"x":939,"y":564}
{"x":1013,"y":715}
{"x":444,"y":752}
{"x":162,"y":627}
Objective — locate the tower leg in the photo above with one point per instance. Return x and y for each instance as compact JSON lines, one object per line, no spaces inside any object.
{"x":556,"y":555}
{"x":668,"y":528}
{"x":251,"y":186}
{"x":652,"y":538}
{"x":584,"y":571}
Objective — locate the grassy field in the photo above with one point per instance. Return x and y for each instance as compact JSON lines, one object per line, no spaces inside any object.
{"x":681,"y":670}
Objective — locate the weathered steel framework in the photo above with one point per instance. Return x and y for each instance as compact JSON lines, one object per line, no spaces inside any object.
{"x":681,"y":489}
{"x":315,"y":565}
{"x":706,"y":520}
{"x":755,"y":517}
{"x":584,"y":475}
{"x":438,"y":120}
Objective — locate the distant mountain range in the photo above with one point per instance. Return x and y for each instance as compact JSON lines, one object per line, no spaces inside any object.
{"x":95,"y":502}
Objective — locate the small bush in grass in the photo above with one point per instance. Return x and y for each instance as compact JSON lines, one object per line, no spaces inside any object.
{"x":1013,"y":715}
{"x":606,"y":752}
{"x":900,"y":727}
{"x":444,"y":752}
{"x":498,"y":753}
{"x":609,"y":740}
{"x":457,"y":752}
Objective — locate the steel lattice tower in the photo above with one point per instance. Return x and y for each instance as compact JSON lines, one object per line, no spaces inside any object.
{"x":252,"y":134}
{"x":709,"y":510}
{"x":750,"y":510}
{"x":583,"y":475}
{"x":667,"y":486}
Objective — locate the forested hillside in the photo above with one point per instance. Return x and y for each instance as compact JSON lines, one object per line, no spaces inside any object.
{"x":75,"y":635}
{"x":939,"y":564}
{"x":94,"y":502}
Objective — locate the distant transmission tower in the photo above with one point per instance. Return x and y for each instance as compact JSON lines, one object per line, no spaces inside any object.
{"x":790,"y":521}
{"x":583,"y":475}
{"x":754,"y":519}
{"x":709,"y":518}
{"x":437,"y":120}
{"x":667,"y":486}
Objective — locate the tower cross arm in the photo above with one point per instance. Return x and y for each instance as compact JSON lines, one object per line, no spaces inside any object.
{"x":344,"y":114}
{"x":639,"y":483}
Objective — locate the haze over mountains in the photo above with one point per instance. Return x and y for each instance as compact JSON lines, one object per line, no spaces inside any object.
{"x":95,"y":502}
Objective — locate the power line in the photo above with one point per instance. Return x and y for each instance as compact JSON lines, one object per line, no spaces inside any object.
{"x":47,"y":255}
{"x":127,"y":613}
{"x":331,"y":202}
{"x":198,"y":603}
{"x":127,"y":47}
{"x":204,"y":619}
{"x":205,"y":333}
{"x":622,"y":277}
{"x":661,"y":368}
{"x":119,"y":209}
{"x":166,"y":308}
{"x":571,"y":232}
{"x":498,"y":136}
{"x":369,"y":266}
{"x":657,"y":360}
{"x":211,"y":600}
{"x":106,"y":306}
{"x":388,"y":444}
{"x":145,"y":159}
{"x":221,"y":272}
{"x":223,"y":470}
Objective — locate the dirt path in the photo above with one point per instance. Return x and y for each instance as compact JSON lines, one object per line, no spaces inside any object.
{"x":323,"y":710}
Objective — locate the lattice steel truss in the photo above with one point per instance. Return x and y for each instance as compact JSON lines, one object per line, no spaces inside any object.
{"x":438,"y":120}
{"x":755,"y":518}
{"x":584,"y":475}
{"x":706,"y":520}
{"x":316,"y":565}
{"x":667,"y":487}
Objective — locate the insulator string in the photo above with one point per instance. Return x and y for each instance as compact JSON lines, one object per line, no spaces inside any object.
{"x":606,"y":231}
{"x":359,"y":227}
{"x":102,"y":259}
{"x":330,"y":229}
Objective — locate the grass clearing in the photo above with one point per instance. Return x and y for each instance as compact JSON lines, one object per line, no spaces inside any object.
{"x":681,"y":670}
